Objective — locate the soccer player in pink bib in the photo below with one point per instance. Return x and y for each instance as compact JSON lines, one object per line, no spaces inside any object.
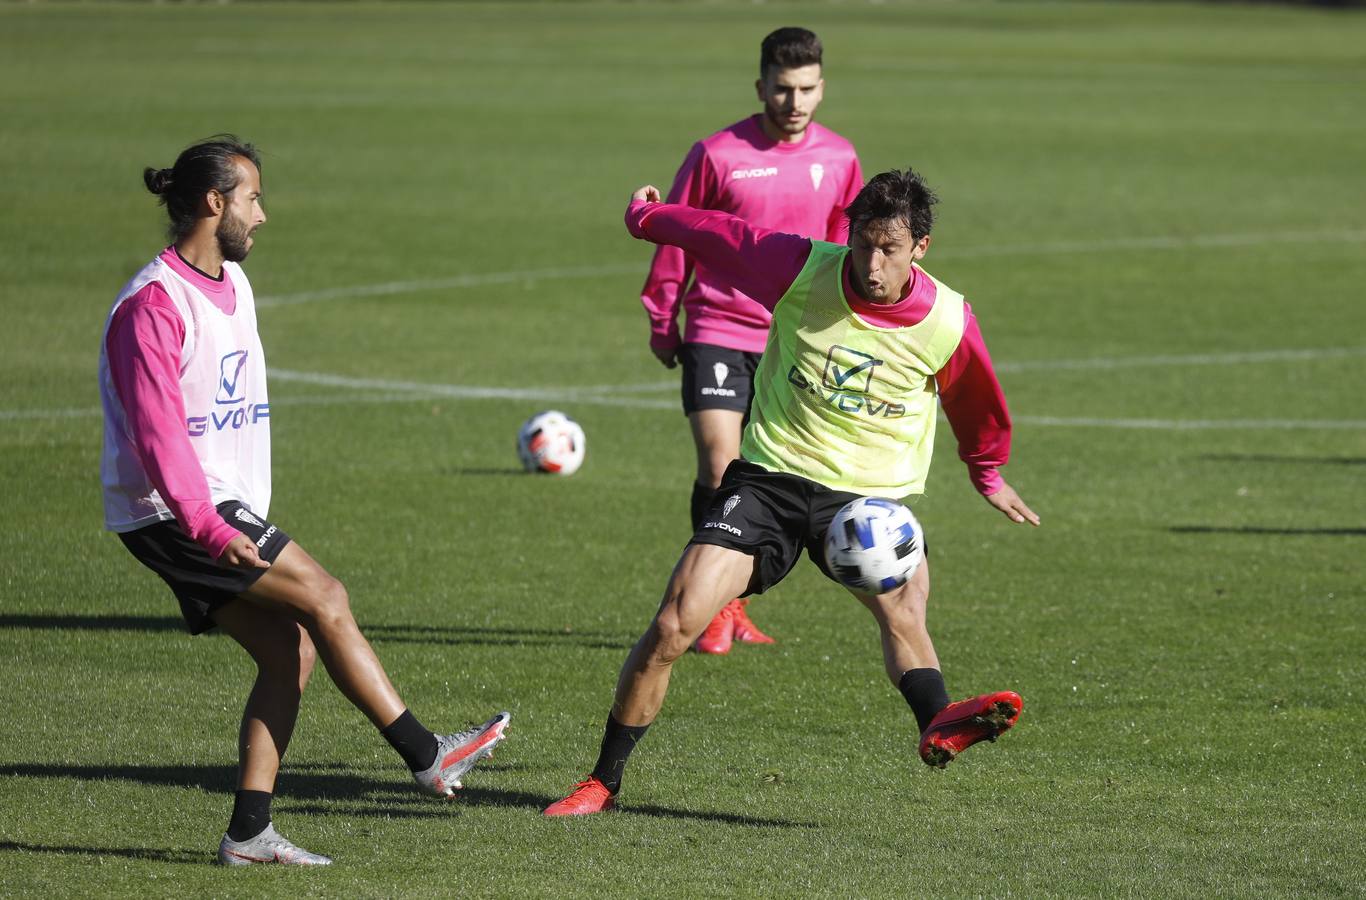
{"x":186,"y":475}
{"x":864,"y":348}
{"x":777,"y":169}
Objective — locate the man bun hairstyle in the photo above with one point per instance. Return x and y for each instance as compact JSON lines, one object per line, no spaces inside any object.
{"x":902,"y":198}
{"x":789,"y":48}
{"x":210,"y":165}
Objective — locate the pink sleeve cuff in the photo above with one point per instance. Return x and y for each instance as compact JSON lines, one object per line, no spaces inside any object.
{"x":211,"y":532}
{"x":987,"y":479}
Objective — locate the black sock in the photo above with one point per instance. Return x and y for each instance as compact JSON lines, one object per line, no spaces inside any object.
{"x":250,"y":815}
{"x":618,"y":741}
{"x":924,"y":690}
{"x":701,"y":502}
{"x":412,"y":740}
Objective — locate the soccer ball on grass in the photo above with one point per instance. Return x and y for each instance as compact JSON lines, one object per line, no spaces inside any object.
{"x":551,"y":442}
{"x":874,"y":545}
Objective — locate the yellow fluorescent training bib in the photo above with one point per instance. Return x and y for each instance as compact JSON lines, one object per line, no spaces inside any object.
{"x":843,"y":403}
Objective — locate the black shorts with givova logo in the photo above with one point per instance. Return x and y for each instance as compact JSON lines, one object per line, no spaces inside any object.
{"x":717,"y":377}
{"x":198,"y":581}
{"x":771,"y":516}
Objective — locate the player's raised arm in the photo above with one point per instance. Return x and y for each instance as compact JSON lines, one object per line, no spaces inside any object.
{"x":671,"y":269}
{"x":760,"y":263}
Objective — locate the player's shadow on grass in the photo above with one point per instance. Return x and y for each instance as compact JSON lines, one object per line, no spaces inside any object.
{"x":192,"y":857}
{"x":295,"y":782}
{"x":1275,"y":458}
{"x":1253,"y":529}
{"x":446,"y":635}
{"x":351,"y":792}
{"x":91,"y":623}
{"x":480,"y":796}
{"x":489,"y":796}
{"x":454,"y":635}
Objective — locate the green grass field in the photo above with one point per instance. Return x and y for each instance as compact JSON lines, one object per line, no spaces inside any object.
{"x":1158,"y":213}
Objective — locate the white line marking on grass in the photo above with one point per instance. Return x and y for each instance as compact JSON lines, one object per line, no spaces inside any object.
{"x":1195,"y":241}
{"x":9,"y":415}
{"x":1197,"y":424}
{"x":448,"y":283}
{"x":599,"y":395}
{"x":1055,"y":248}
{"x":397,"y":391}
{"x":1192,"y":359}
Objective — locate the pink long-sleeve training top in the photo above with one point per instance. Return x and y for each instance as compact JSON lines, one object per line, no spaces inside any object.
{"x":764,"y":263}
{"x":799,"y":188}
{"x":143,"y":345}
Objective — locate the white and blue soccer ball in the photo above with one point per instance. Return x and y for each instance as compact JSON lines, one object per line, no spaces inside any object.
{"x":874,"y":545}
{"x":551,"y":442}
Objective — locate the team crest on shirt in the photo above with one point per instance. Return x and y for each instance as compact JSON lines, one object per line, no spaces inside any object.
{"x":817,"y":173}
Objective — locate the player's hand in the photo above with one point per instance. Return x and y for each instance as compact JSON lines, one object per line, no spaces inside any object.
{"x":1009,"y":502}
{"x":649,"y":193}
{"x":668,"y":357}
{"x":241,"y":554}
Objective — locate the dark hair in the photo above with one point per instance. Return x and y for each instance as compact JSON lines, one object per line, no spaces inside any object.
{"x":789,"y":48}
{"x":209,"y":165}
{"x":895,"y":196}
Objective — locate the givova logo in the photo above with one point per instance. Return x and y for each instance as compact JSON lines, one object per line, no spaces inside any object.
{"x":232,"y":393}
{"x":846,"y":382}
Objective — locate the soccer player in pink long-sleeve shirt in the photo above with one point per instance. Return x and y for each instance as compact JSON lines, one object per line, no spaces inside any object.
{"x":186,"y":475}
{"x":865,"y":346}
{"x":777,"y":169}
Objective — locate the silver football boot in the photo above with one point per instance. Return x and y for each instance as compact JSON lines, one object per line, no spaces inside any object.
{"x":457,"y":753}
{"x":267,"y":847}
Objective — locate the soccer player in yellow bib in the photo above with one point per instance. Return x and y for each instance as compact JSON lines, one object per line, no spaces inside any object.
{"x":863,"y":343}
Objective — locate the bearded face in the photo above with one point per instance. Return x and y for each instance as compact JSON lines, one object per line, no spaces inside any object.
{"x":234,"y":237}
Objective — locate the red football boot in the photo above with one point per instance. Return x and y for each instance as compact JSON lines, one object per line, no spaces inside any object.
{"x":588,"y":797}
{"x":960,"y":725}
{"x":718,"y":635}
{"x":746,"y":632}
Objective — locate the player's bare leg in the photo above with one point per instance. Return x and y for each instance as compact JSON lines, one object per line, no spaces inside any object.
{"x":947,"y":729}
{"x":284,"y":657}
{"x":297,"y":586}
{"x":703,"y":581}
{"x":900,"y":616}
{"x":716,"y":436}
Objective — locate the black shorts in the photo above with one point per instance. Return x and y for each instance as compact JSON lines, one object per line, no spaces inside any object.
{"x":198,"y":581}
{"x":771,"y":516}
{"x":717,"y":377}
